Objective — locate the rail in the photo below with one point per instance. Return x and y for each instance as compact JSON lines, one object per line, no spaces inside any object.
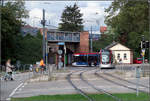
{"x":77,"y":89}
{"x":98,"y":89}
{"x":119,"y":84}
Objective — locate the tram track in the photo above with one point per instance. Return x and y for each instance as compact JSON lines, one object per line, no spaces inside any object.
{"x":110,"y":75}
{"x":98,"y":89}
{"x":119,"y":84}
{"x":77,"y":89}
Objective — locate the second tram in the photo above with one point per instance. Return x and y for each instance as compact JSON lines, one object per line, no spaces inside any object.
{"x":106,"y":59}
{"x":85,"y":59}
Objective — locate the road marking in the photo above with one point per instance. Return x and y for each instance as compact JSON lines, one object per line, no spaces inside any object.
{"x":13,"y":92}
{"x":8,"y":99}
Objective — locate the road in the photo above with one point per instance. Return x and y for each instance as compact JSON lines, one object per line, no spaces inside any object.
{"x":18,"y":88}
{"x":63,"y":86}
{"x":8,"y":87}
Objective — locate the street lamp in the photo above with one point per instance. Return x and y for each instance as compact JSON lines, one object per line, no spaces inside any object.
{"x":91,"y":38}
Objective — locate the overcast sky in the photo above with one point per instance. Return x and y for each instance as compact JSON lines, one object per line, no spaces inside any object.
{"x":93,"y":12}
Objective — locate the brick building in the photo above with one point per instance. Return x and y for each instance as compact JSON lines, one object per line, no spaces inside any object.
{"x":75,"y":42}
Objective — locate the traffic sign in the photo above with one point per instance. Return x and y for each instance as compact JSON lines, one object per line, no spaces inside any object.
{"x":143,"y":52}
{"x":59,"y":52}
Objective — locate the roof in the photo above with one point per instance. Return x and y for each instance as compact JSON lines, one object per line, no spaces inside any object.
{"x":111,"y":45}
{"x":114,"y":44}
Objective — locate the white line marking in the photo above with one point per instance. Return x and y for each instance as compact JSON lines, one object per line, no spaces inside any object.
{"x":13,"y":92}
{"x":8,"y":99}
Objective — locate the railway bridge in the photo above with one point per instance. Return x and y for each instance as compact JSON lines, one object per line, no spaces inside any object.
{"x":74,"y":42}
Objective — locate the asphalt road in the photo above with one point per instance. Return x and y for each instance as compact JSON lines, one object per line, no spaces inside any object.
{"x":63,"y":86}
{"x":18,"y":88}
{"x":7,"y":87}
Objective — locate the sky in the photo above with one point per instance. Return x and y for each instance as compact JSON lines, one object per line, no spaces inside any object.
{"x":93,"y":13}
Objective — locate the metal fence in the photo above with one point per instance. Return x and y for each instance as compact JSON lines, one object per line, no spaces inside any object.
{"x":63,"y":36}
{"x":38,"y":71}
{"x":145,"y":69}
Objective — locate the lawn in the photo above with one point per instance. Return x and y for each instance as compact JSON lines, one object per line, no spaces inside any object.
{"x":78,"y":97}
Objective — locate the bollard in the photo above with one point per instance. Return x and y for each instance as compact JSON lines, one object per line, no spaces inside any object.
{"x":50,"y":70}
{"x":138,"y":70}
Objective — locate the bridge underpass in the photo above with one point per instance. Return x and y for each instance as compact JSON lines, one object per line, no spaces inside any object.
{"x":75,"y":42}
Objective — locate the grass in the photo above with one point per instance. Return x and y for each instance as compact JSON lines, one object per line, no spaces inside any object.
{"x":78,"y":97}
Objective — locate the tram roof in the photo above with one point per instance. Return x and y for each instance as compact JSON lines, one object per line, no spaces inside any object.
{"x":86,"y":53}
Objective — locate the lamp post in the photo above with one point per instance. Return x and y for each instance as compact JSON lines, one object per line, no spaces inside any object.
{"x":91,"y":46}
{"x":149,"y":31}
{"x":91,"y":38}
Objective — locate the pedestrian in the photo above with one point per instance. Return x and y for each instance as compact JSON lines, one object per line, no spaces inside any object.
{"x":42,"y":65}
{"x":31,"y":67}
{"x":120,"y":61}
{"x":89,"y":63}
{"x":9,"y":68}
{"x":95,"y":62}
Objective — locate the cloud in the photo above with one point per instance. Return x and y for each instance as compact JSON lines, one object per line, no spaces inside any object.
{"x":93,"y":15}
{"x":93,"y":12}
{"x":36,"y":15}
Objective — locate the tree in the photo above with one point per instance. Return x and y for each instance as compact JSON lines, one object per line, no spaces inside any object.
{"x":11,"y":21}
{"x":129,"y":19}
{"x":71,"y":19}
{"x":31,"y":50}
{"x":104,"y":41}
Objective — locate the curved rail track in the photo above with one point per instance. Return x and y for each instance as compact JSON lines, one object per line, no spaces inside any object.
{"x":125,"y":80}
{"x":77,"y":89}
{"x":119,"y":84}
{"x":98,"y":89}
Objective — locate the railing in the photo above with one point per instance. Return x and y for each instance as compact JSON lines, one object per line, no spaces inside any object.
{"x":63,"y":36}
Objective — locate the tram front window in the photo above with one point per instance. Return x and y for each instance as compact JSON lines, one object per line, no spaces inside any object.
{"x":105,"y":58}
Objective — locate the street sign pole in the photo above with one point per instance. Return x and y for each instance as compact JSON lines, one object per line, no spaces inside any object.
{"x":143,"y":54}
{"x":64,"y":57}
{"x":43,"y":23}
{"x":59,"y":63}
{"x":91,"y":47}
{"x":143,"y":47}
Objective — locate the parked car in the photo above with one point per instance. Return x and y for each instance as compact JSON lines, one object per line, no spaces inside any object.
{"x":138,"y":61}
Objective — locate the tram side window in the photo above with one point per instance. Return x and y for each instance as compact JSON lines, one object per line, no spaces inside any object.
{"x":93,"y":59}
{"x":80,"y":59}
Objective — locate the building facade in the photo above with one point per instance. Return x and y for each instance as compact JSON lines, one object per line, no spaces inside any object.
{"x":75,"y":42}
{"x":121,"y":52}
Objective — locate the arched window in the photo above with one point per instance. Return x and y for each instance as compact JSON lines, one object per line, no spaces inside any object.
{"x":125,"y":56}
{"x":118,"y":56}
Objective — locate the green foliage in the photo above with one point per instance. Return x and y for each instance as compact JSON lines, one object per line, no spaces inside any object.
{"x":27,"y":49}
{"x":11,"y":15}
{"x":31,"y":50}
{"x":129,"y":19}
{"x":104,"y":41}
{"x":71,"y":19}
{"x":78,"y":97}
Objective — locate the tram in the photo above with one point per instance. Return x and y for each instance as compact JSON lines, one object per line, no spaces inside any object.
{"x":106,"y":59}
{"x":86,"y":59}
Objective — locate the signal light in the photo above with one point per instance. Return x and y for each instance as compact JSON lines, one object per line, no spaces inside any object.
{"x":143,"y":44}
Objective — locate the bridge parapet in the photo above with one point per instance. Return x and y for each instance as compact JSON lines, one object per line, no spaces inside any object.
{"x":57,"y":36}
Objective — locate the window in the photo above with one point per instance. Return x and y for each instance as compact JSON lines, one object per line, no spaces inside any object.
{"x":125,"y":56}
{"x":118,"y":56}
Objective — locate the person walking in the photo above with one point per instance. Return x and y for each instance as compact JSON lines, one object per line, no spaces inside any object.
{"x":9,"y":70}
